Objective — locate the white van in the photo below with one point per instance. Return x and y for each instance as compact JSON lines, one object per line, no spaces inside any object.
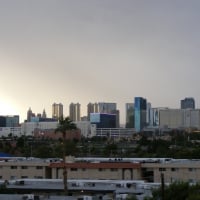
{"x":30,"y":197}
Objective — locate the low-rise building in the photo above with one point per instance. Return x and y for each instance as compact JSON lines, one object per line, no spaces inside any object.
{"x":98,"y":170}
{"x":173,"y":170}
{"x":28,"y":128}
{"x":19,"y":168}
{"x":87,"y":129}
{"x":133,"y":169}
{"x":115,"y":132}
{"x":10,"y":131}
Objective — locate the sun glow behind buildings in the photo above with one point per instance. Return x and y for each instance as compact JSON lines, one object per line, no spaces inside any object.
{"x":7,"y":108}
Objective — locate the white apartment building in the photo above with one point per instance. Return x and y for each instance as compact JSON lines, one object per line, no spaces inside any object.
{"x":87,"y":129}
{"x":192,"y":118}
{"x":28,"y":128}
{"x":175,"y":118}
{"x":171,"y":118}
{"x":10,"y":131}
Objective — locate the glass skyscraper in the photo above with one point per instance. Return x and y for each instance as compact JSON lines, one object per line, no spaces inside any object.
{"x":140,"y":105}
{"x":129,"y":115}
{"x":188,"y":103}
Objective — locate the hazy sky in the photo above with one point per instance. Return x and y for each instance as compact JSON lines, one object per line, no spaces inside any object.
{"x":97,"y":50}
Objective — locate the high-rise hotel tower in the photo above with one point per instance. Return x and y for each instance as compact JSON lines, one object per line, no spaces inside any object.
{"x":75,"y":111}
{"x":57,"y":110}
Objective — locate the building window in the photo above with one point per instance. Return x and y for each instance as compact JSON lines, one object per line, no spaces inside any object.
{"x":100,"y":169}
{"x":13,"y":167}
{"x":174,"y":169}
{"x":162,"y":169}
{"x":24,"y":167}
{"x":24,"y":176}
{"x":39,"y":167}
{"x":191,"y":169}
{"x":74,"y":169}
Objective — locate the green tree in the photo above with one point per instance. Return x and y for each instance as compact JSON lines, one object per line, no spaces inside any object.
{"x":131,"y":197}
{"x":44,"y":151}
{"x":21,"y":142}
{"x":65,"y":124}
{"x":178,"y":191}
{"x":110,"y":149}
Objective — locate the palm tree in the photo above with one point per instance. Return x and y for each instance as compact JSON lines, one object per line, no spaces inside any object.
{"x":65,"y":124}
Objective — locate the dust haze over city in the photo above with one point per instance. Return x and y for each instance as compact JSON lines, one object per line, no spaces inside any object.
{"x":97,"y":51}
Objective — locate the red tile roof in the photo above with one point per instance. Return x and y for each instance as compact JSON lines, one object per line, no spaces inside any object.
{"x":103,"y":165}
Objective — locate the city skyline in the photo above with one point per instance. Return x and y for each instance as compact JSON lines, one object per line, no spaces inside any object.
{"x":67,"y":112}
{"x":97,"y":51}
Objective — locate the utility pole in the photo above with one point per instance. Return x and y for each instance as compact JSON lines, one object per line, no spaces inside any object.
{"x":162,"y":186}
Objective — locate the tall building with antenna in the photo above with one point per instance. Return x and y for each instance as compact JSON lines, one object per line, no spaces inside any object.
{"x":44,"y":115}
{"x":30,"y":114}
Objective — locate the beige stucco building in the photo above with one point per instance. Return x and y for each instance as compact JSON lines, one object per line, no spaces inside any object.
{"x":17,"y":169}
{"x":130,"y":169}
{"x":175,"y":170}
{"x":101,"y":170}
